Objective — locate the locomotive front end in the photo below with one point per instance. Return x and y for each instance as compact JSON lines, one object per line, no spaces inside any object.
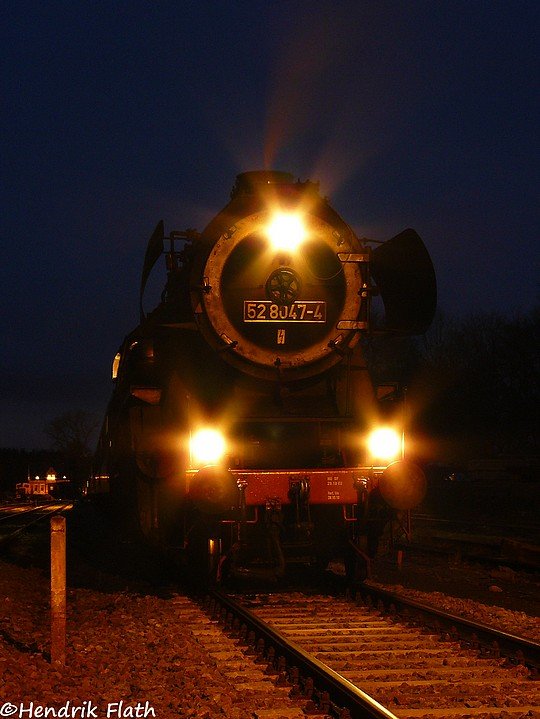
{"x":279,"y":288}
{"x":238,"y":429}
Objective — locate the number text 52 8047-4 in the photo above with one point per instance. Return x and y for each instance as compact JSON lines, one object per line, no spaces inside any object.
{"x":264,"y":311}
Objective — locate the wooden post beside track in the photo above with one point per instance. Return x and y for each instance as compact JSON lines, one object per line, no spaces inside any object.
{"x":58,"y":590}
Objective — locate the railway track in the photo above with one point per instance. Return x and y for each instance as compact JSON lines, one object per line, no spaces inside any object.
{"x":15,"y":521}
{"x":488,"y":543}
{"x":523,"y":529}
{"x":371,"y":659}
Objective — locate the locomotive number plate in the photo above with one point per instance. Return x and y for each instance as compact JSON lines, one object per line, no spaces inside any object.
{"x":309,"y":311}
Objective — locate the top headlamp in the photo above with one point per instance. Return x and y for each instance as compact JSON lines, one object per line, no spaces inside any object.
{"x":286,"y":231}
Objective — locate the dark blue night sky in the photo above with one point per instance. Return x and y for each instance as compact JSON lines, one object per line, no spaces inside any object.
{"x":118,"y":114}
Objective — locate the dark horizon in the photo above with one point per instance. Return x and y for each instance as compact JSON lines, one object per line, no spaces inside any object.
{"x":418,"y":116}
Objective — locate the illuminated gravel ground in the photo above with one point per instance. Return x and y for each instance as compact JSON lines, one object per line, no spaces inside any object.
{"x":140,"y":649}
{"x":131,"y":639}
{"x":142,"y":646}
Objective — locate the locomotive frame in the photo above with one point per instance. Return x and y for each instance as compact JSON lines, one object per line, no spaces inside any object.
{"x":260,"y":344}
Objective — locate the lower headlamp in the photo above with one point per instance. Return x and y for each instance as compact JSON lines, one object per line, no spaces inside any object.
{"x":207,"y":446}
{"x":384,"y":444}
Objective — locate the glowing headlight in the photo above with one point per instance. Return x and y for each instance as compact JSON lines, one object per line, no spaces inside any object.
{"x":384,"y":443}
{"x":286,"y":232}
{"x":207,"y":446}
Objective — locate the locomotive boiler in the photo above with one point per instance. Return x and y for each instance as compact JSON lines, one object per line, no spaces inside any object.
{"x":243,"y":432}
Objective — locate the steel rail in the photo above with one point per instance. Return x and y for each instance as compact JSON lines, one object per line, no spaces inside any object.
{"x":4,"y":515}
{"x":21,"y":511}
{"x":343,"y":694}
{"x":7,"y":538}
{"x":493,"y":641}
{"x":491,"y":554}
{"x":474,"y":525}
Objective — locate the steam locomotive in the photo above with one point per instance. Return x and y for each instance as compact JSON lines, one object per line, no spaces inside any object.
{"x":243,"y":430}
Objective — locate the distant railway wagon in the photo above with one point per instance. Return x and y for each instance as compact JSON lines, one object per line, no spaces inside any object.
{"x":244,"y":430}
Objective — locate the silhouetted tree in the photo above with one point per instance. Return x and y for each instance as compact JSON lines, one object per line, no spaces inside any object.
{"x":70,"y":435}
{"x":475,"y":380}
{"x":482,"y":378}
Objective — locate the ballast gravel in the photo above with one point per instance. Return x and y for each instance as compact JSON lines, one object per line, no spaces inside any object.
{"x":136,"y":654}
{"x":128,"y":655}
{"x":519,"y":623}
